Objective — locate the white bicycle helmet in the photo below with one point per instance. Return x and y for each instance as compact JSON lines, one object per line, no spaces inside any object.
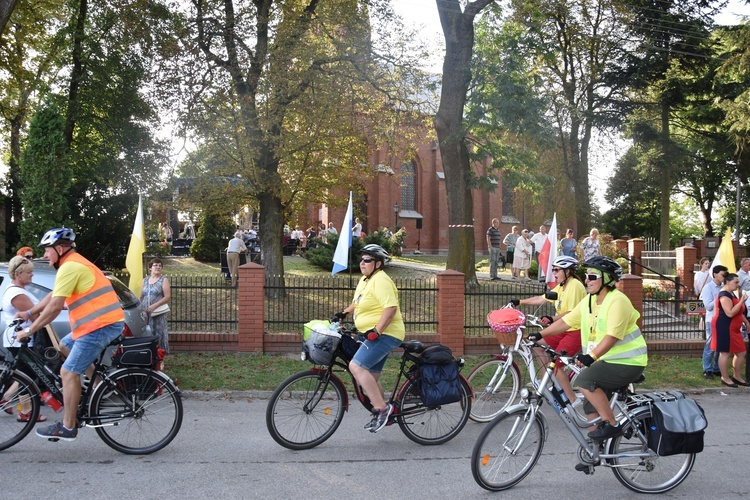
{"x":56,"y":236}
{"x":565,"y":262}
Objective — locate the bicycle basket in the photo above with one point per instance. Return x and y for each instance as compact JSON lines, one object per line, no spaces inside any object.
{"x":321,"y":345}
{"x":505,"y":323}
{"x":308,"y":327}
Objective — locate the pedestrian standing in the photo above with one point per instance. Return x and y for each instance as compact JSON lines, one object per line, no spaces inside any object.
{"x":494,"y":238}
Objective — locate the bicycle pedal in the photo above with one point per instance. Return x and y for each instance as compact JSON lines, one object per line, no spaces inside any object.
{"x":585,"y":468}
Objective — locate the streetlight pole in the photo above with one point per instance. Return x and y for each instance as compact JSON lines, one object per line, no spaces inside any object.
{"x":395,"y":211}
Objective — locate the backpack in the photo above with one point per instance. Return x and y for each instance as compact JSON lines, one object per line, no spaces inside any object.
{"x":441,"y":383}
{"x":677,"y":425}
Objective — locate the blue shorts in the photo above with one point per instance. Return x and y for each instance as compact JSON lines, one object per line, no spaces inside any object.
{"x":372,"y":355}
{"x":85,"y":350}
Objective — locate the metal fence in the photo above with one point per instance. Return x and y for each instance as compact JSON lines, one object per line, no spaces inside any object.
{"x":202,"y":304}
{"x":480,"y":301}
{"x":307,"y":298}
{"x":665,"y":318}
{"x":659,"y":263}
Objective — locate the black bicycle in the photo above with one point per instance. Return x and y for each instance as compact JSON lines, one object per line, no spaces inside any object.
{"x":307,"y":408}
{"x":135,"y":410}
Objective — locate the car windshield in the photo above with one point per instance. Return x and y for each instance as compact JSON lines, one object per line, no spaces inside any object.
{"x":127,"y":298}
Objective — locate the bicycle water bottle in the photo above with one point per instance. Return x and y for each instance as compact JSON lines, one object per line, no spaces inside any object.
{"x":51,"y":401}
{"x":334,"y":327}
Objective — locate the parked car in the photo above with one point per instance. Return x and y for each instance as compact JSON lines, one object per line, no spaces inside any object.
{"x":43,"y":282}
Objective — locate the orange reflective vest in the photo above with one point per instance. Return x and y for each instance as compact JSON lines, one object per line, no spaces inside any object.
{"x":95,"y":308}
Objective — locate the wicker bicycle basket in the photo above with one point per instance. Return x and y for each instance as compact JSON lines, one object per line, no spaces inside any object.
{"x":505,"y":323}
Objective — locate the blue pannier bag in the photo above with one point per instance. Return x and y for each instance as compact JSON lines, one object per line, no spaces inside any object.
{"x":677,"y":425}
{"x":441,"y":383}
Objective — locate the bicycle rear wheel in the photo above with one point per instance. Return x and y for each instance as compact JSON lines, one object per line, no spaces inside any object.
{"x":434,"y":424}
{"x":490,"y":395}
{"x":653,"y":474}
{"x":139,"y":411}
{"x":507,"y":450}
{"x":17,"y":389}
{"x":305,"y":410}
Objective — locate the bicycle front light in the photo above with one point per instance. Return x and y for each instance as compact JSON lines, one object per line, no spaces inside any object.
{"x":525,"y":395}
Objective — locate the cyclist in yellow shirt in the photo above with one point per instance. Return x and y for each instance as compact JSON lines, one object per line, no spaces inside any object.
{"x":614,"y":349}
{"x":376,"y":312}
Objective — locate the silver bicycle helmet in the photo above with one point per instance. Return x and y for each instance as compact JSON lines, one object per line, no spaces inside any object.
{"x":56,"y":236}
{"x":565,"y":262}
{"x":377,"y":252}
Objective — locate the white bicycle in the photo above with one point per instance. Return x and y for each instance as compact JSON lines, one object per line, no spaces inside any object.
{"x":497,"y":381}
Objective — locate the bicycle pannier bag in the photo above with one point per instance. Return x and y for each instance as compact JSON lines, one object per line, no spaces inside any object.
{"x":137,"y":351}
{"x":678,"y":424}
{"x":321,"y":345}
{"x":441,"y":383}
{"x":348,"y":347}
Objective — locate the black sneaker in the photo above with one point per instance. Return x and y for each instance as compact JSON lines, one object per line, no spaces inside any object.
{"x":605,"y":431}
{"x":379,"y":419}
{"x":708,"y":375}
{"x":57,"y":431}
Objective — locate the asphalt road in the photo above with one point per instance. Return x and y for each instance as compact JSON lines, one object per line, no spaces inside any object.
{"x":224,"y":451}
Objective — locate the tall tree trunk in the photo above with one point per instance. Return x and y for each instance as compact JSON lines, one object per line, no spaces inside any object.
{"x":6,"y":10}
{"x":666,"y":177}
{"x":76,"y":74}
{"x":458,"y":30}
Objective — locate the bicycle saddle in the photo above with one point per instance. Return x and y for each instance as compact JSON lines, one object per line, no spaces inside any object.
{"x":414,"y":346}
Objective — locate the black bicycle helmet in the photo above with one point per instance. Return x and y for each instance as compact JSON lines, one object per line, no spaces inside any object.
{"x":612,"y":269}
{"x":377,"y":252}
{"x":56,"y":236}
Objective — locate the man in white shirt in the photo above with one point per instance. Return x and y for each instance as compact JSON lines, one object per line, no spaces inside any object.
{"x":708,"y":297}
{"x":744,"y":274}
{"x":235,"y":247}
{"x":538,"y":240}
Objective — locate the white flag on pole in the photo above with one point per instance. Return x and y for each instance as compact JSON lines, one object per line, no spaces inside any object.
{"x":341,"y":256}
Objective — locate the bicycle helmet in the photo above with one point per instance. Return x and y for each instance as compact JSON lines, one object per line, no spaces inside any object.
{"x":565,"y":262}
{"x":56,"y":236}
{"x":377,"y":252}
{"x":611,"y":269}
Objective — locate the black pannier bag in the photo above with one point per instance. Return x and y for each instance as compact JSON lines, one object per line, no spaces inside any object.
{"x":677,"y":425}
{"x":137,"y":351}
{"x":441,"y":384}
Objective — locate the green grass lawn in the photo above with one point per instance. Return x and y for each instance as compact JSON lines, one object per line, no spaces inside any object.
{"x":243,"y":372}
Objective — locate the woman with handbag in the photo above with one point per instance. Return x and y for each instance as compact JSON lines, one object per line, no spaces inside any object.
{"x":155,"y":296}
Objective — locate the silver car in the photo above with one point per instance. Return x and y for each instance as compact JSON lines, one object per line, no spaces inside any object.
{"x":43,"y":282}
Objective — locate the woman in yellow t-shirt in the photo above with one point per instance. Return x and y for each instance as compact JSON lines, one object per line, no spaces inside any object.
{"x":615,"y":350}
{"x":377,"y":314}
{"x":565,"y":296}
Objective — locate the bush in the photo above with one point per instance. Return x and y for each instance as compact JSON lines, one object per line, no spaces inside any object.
{"x":322,"y":254}
{"x":213,"y":234}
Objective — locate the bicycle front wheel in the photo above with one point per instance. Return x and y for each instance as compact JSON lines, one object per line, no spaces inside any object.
{"x":431,"y":425}
{"x":305,"y":410}
{"x":507,"y":450}
{"x":137,"y":411}
{"x":652,"y":474}
{"x":495,"y":383}
{"x":17,"y":391}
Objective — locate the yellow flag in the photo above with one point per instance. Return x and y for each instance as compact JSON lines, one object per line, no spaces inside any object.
{"x":725,"y":255}
{"x":134,"y":260}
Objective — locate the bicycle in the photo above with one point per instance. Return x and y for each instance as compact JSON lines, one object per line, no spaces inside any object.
{"x":134,"y":410}
{"x":307,"y":408}
{"x":509,"y":447}
{"x":497,"y":381}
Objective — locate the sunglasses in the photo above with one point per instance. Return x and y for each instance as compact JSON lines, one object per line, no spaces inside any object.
{"x":556,"y":269}
{"x":593,"y":277}
{"x":367,"y":261}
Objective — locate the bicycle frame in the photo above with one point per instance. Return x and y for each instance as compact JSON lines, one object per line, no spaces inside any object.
{"x":548,"y":389}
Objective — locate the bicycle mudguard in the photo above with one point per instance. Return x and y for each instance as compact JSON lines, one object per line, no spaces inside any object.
{"x":337,"y":379}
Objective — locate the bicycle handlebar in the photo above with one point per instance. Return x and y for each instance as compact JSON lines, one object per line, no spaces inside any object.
{"x":554,"y":355}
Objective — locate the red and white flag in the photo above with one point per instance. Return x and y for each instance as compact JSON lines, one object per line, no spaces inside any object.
{"x":548,"y":253}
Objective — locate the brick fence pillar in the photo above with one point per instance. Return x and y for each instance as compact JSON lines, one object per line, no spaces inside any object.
{"x":632,"y":286}
{"x":686,"y":259}
{"x":636,"y":246}
{"x":450,"y":310}
{"x":622,"y":245}
{"x":251,"y":307}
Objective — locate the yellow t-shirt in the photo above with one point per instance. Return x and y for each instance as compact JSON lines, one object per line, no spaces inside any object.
{"x":569,"y":298}
{"x":371,"y":297}
{"x":72,"y":278}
